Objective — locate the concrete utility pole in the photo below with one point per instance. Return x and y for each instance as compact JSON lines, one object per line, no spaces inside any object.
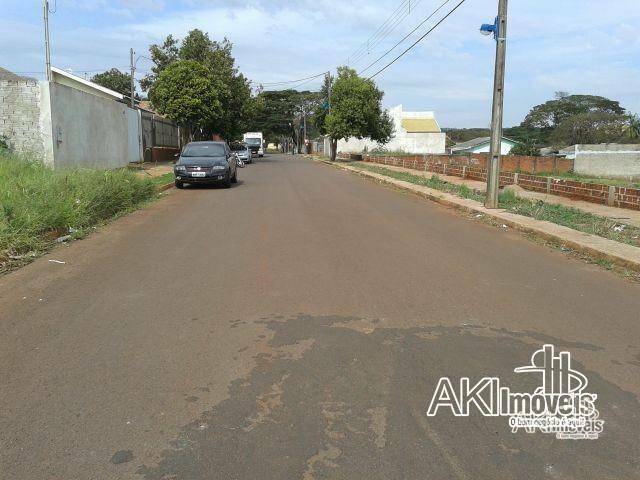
{"x":493,"y":168}
{"x":133,"y":71}
{"x":329,"y":91}
{"x":47,"y":42}
{"x":304,"y":140}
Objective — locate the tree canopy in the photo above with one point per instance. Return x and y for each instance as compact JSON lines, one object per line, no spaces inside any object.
{"x":115,"y":80}
{"x":356,"y":110}
{"x":277,"y":112}
{"x":551,"y":114}
{"x":217,"y":69}
{"x":590,"y":127}
{"x":187,"y":94}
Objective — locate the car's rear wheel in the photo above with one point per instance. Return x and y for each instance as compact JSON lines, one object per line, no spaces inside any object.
{"x":179,"y":184}
{"x":227,"y":182}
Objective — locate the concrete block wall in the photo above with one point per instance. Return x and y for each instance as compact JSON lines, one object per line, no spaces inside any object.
{"x":20,"y":104}
{"x":609,"y":160}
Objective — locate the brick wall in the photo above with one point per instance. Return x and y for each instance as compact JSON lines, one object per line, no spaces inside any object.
{"x":163,"y":154}
{"x":20,"y":115}
{"x":473,"y":168}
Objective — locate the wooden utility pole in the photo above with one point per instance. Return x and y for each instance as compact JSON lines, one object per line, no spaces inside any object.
{"x":493,"y":166}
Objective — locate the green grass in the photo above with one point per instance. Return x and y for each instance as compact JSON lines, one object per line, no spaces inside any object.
{"x":558,"y":214}
{"x":163,"y":179}
{"x":572,"y":218}
{"x":616,"y":182}
{"x":434,"y":182}
{"x":38,"y":205}
{"x":391,"y":153}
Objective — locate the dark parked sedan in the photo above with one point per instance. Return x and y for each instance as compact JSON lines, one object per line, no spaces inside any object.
{"x":206,"y":162}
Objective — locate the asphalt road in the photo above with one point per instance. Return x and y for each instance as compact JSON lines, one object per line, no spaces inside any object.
{"x":295,"y":327}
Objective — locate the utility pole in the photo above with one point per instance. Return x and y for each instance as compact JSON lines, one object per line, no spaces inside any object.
{"x":493,"y":168}
{"x":133,"y":71}
{"x":304,"y":120}
{"x":332,"y":144}
{"x":329,"y":91}
{"x":47,"y":41}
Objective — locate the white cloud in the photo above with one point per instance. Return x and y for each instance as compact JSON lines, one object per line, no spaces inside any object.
{"x":579,"y":46}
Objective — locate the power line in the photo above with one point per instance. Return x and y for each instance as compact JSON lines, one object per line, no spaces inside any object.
{"x":388,"y":31}
{"x":419,"y":40}
{"x":405,"y":37}
{"x":364,"y":47}
{"x":76,"y":71}
{"x":292,"y":81}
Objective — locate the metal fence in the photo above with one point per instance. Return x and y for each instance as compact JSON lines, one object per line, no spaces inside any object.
{"x":158,"y":132}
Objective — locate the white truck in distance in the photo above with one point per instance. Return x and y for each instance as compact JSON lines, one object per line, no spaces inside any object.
{"x":255,"y":142}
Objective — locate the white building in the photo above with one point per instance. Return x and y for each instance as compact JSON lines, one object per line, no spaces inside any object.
{"x":483,"y":145}
{"x":414,"y":132}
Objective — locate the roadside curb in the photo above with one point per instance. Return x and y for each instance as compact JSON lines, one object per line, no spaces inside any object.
{"x":166,"y":186}
{"x":602,"y":248}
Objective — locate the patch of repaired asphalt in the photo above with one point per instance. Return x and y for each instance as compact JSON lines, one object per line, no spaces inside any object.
{"x":342,"y":398}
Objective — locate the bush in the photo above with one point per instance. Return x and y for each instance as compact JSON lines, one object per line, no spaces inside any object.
{"x":37,"y":205}
{"x":526,"y":148}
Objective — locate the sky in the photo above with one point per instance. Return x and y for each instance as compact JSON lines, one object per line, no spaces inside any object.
{"x":576,"y":46}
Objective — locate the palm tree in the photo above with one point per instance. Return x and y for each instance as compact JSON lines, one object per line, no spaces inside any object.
{"x":633,"y":128}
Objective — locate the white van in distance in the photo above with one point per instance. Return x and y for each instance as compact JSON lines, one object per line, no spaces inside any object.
{"x":255,"y":142}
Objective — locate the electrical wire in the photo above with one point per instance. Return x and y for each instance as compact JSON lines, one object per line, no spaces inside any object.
{"x":73,"y":71}
{"x":418,"y":40}
{"x":387,"y":32}
{"x":292,"y":81}
{"x":405,"y":37}
{"x":366,"y":45}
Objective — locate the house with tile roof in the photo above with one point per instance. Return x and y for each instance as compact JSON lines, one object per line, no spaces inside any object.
{"x":414,"y":132}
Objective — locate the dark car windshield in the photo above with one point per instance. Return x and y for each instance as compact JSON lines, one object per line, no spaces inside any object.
{"x":204,"y":150}
{"x":253,"y":141}
{"x":238,"y":147}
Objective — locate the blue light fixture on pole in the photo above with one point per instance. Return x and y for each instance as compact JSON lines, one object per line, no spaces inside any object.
{"x":488,"y":29}
{"x":499,"y":31}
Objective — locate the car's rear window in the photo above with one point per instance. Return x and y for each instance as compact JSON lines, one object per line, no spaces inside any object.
{"x":204,"y":150}
{"x":237,"y":147}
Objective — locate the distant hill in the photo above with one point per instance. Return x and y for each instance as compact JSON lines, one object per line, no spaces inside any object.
{"x":7,"y":75}
{"x":459,"y":135}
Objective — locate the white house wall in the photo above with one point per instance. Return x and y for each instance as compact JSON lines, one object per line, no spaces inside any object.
{"x":90,"y":131}
{"x":402,"y":140}
{"x":419,"y":143}
{"x":608,"y":160}
{"x":505,"y":148}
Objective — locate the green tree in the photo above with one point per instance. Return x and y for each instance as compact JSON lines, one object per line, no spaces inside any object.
{"x":186,"y":93}
{"x":551,"y":114}
{"x":590,"y":127}
{"x":233,"y":89}
{"x":161,"y":56}
{"x":278,"y":112}
{"x":633,"y":128}
{"x":115,"y":80}
{"x":526,"y":148}
{"x":356,"y":111}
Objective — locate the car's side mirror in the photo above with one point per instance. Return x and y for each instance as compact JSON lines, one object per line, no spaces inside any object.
{"x":176,"y":155}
